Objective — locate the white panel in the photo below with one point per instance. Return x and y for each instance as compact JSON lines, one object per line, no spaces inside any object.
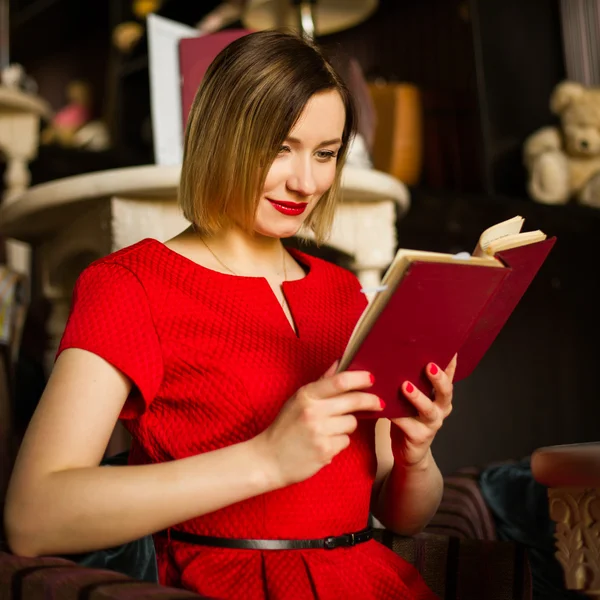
{"x":165,"y":87}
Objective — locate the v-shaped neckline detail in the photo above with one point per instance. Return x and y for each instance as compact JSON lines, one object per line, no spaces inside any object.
{"x":293,"y":324}
{"x":305,"y":261}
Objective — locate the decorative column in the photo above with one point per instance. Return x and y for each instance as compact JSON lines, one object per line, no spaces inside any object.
{"x":20,"y":115}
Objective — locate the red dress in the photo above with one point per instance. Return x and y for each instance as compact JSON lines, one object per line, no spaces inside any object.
{"x":213,"y":359}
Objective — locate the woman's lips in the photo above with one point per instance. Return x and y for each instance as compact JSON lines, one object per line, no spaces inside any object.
{"x":288,"y":208}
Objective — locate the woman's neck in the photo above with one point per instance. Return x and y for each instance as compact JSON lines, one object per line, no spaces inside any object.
{"x":243,"y":254}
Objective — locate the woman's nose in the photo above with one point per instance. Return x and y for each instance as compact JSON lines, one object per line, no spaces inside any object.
{"x":302,"y":179}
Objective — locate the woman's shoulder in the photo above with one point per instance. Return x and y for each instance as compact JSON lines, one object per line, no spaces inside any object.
{"x":133,"y":257}
{"x":121,"y":271}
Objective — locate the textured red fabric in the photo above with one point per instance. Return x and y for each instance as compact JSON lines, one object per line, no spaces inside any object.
{"x":213,"y":359}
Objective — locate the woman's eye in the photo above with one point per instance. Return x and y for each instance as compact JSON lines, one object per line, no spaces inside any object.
{"x":284,"y":149}
{"x":326,"y":154}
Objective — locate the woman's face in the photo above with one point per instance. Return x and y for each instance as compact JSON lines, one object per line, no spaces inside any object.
{"x":304,"y":168}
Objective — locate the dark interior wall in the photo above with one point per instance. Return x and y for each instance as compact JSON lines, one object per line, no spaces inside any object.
{"x":428,"y":43}
{"x":519,"y":59}
{"x":486,"y":69}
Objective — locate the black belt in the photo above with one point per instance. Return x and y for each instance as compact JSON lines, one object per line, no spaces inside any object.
{"x":329,"y":543}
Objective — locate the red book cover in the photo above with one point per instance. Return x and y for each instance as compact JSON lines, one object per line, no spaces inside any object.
{"x":523,"y":264}
{"x":438,"y":310}
{"x":195,"y":56}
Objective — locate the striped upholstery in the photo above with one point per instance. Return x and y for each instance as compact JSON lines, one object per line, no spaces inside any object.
{"x":463,"y":512}
{"x":59,"y":579}
{"x":457,"y":553}
{"x":465,"y":569}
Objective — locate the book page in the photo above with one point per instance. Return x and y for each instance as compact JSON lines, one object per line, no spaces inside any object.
{"x":510,"y":227}
{"x":514,"y":241}
{"x":504,"y":236}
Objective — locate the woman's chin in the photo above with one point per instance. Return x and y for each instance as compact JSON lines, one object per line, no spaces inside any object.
{"x":279,"y":232}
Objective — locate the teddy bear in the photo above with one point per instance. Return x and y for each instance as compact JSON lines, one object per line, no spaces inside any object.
{"x":564,"y":163}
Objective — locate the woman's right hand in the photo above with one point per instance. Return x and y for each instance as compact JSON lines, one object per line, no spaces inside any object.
{"x":315,"y":425}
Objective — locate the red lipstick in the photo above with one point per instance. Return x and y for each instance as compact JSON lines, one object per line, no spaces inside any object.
{"x":289,"y":208}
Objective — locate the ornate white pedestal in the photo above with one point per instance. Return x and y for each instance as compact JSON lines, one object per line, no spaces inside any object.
{"x":73,"y":221}
{"x":572,"y":474}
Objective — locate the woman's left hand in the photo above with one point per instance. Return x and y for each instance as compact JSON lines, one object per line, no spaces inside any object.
{"x":411,"y":444}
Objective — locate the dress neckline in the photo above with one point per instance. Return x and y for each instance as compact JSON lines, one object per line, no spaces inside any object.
{"x":306,"y":262}
{"x":290,"y":288}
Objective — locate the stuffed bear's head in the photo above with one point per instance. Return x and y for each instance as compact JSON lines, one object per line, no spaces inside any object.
{"x":579,"y":111}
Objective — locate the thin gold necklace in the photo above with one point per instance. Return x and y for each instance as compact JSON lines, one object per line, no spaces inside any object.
{"x":237,"y":274}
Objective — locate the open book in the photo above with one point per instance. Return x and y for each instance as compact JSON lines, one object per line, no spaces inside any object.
{"x":431,"y":306}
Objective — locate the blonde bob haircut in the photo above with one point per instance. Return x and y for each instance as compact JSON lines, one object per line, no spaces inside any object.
{"x":250,"y":98}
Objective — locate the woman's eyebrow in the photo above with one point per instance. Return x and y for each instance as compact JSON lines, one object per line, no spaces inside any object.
{"x":325,"y":143}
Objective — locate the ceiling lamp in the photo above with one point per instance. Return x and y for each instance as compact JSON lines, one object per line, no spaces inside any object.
{"x":311,"y":17}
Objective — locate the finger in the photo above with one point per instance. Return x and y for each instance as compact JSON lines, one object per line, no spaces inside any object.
{"x":442,"y":384}
{"x":352,"y":402}
{"x":414,"y":431}
{"x":332,"y":369}
{"x":340,"y":383}
{"x":451,"y":368}
{"x":427,"y":410}
{"x":339,"y":443}
{"x":334,"y":445}
{"x":340,"y":425}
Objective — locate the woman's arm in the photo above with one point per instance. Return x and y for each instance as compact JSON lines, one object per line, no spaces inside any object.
{"x":61,"y":501}
{"x":408,"y":487}
{"x":405,"y":498}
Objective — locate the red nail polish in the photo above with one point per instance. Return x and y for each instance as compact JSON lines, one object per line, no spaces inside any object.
{"x":382,"y":403}
{"x":372,"y":378}
{"x":433,"y":369}
{"x":410,"y":388}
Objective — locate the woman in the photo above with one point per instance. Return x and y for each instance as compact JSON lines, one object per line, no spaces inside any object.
{"x":217,"y":351}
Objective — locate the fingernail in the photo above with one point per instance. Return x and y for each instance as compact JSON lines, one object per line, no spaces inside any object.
{"x":382,"y":403}
{"x":433,"y":369}
{"x":372,"y":378}
{"x":410,"y":388}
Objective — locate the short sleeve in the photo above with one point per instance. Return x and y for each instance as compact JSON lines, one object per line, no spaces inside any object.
{"x":111,"y":317}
